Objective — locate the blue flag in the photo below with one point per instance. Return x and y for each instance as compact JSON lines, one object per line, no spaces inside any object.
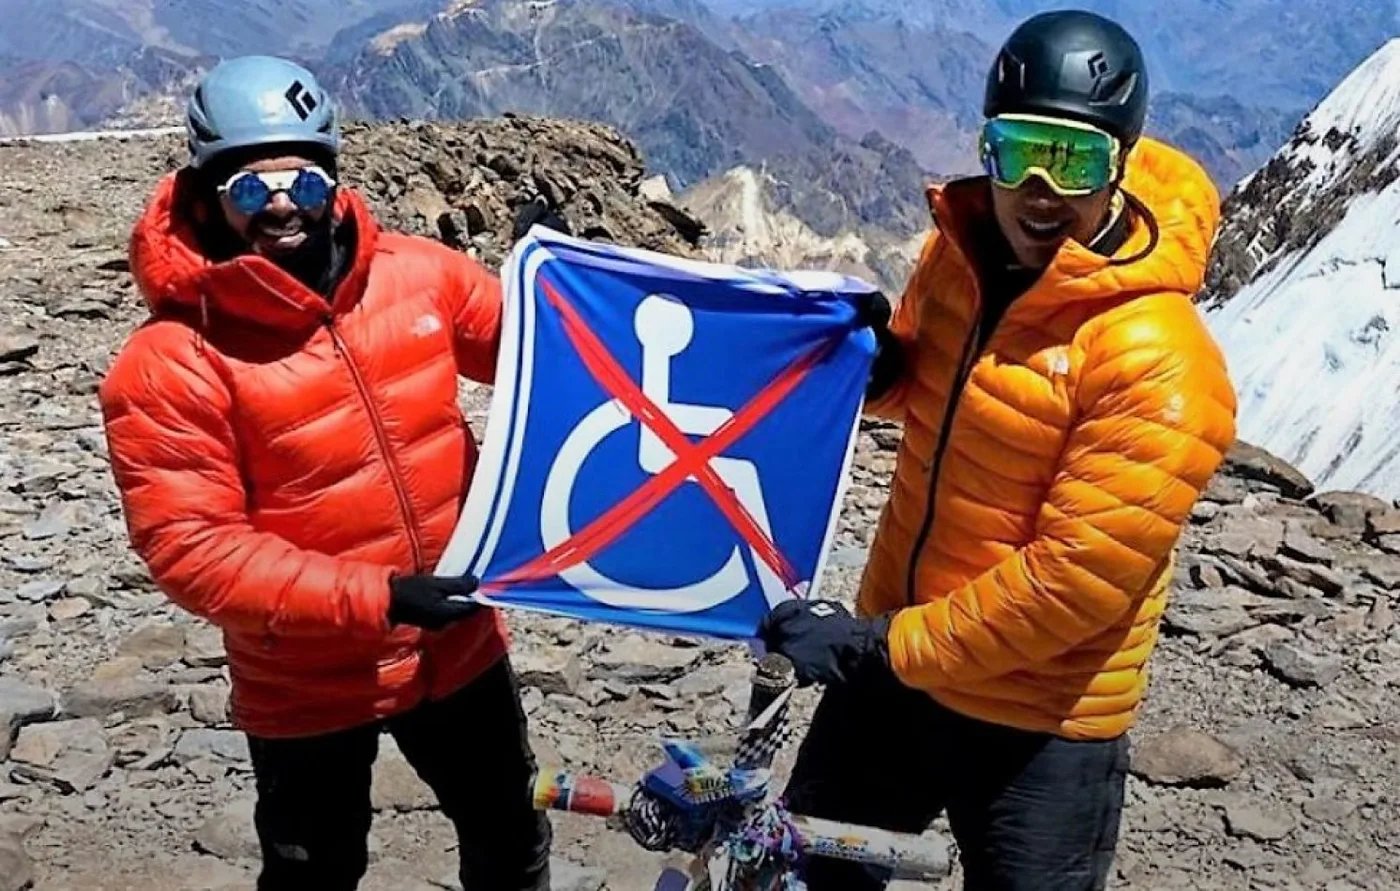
{"x":668,"y":441}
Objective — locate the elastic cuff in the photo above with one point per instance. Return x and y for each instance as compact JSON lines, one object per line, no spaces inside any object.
{"x":878,"y":648}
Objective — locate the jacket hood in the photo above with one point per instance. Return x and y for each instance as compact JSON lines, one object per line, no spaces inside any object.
{"x":1170,"y":252}
{"x":173,"y":272}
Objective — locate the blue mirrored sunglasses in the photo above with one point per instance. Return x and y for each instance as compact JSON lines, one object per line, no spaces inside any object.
{"x":250,"y":191}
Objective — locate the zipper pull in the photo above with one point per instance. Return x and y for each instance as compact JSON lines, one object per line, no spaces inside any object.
{"x":329,"y":321}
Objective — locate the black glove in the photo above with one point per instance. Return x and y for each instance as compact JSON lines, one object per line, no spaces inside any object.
{"x":537,"y":212}
{"x":873,"y":311}
{"x":827,"y":645}
{"x":430,"y":601}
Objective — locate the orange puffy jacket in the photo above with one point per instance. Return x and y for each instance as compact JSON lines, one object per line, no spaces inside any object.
{"x":1042,"y":484}
{"x":278,"y":458}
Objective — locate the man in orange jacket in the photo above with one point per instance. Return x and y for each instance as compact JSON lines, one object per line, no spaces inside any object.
{"x":1063,"y":408}
{"x":285,"y":434}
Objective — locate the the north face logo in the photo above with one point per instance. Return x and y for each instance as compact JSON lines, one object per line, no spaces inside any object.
{"x":1058,"y":362}
{"x":426,"y":325}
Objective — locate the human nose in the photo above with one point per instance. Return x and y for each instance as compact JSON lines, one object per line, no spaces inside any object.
{"x":280,"y":204}
{"x":1039,"y":195}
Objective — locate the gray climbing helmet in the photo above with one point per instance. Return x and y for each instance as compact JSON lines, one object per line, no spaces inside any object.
{"x":259,"y":100}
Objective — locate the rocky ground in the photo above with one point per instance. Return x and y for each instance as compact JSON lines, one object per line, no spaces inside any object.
{"x":1267,"y":757}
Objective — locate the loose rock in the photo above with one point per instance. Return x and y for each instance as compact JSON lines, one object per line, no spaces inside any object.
{"x":209,"y":704}
{"x":16,"y":345}
{"x":1302,"y":545}
{"x":1186,"y":757}
{"x":1253,"y":463}
{"x":1216,"y":622}
{"x":230,"y":833}
{"x":40,"y":591}
{"x":21,"y":704}
{"x":16,"y":869}
{"x":554,"y":670}
{"x":204,"y":647}
{"x":55,"y":522}
{"x":71,"y":754}
{"x":1301,"y":668}
{"x":225,"y":745}
{"x":156,"y":645}
{"x":1244,"y":820}
{"x":1381,"y":618}
{"x":637,"y":660}
{"x":396,"y":786}
{"x":25,"y":702}
{"x":1348,"y":510}
{"x":132,"y":697}
{"x":1324,"y":579}
{"x":69,"y":609}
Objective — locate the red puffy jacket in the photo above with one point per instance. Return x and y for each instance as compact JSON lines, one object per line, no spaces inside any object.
{"x":278,"y":458}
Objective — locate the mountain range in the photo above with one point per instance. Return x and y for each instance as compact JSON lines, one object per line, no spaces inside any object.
{"x":696,"y":109}
{"x":72,"y":64}
{"x":1284,"y":54}
{"x":104,"y":33}
{"x":838,"y":112}
{"x":916,"y":72}
{"x":911,"y":71}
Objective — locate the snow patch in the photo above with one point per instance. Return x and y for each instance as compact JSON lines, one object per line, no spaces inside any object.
{"x":88,"y":135}
{"x":1360,"y":112}
{"x":1310,"y":353}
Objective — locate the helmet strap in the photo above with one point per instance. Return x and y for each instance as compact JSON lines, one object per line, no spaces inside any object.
{"x":1117,"y":206}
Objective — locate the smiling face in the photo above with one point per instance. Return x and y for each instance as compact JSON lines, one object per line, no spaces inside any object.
{"x":280,"y":227}
{"x":1036,"y":221}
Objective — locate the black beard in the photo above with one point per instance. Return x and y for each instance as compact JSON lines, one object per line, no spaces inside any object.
{"x":310,"y":263}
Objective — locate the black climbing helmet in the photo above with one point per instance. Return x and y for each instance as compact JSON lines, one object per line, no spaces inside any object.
{"x":1073,"y":64}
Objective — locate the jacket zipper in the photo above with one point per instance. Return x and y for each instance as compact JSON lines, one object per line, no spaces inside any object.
{"x":425,"y":663}
{"x":965,"y":364}
{"x":395,"y":475}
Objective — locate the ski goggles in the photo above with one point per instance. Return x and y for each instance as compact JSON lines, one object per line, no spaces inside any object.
{"x":1072,"y":157}
{"x":250,"y":191}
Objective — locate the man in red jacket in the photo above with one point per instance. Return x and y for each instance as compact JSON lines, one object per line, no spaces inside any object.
{"x":285,"y":434}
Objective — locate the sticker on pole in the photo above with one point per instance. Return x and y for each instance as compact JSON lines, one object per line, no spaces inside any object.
{"x":668,"y":440}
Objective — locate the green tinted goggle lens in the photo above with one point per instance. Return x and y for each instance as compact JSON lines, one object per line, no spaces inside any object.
{"x":1077,"y":161}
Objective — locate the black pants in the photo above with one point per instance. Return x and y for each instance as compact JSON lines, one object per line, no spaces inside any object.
{"x":1028,"y":810}
{"x":313,"y":810}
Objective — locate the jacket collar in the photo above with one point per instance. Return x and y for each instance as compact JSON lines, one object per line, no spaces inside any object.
{"x":173,"y":272}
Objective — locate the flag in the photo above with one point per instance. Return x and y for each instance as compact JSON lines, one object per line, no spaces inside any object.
{"x":668,"y":440}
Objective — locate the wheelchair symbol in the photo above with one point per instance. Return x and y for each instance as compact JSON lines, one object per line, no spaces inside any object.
{"x":664,"y":328}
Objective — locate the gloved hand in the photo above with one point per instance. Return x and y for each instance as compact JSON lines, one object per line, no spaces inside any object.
{"x":873,"y":311}
{"x":537,"y":212}
{"x":430,"y":601}
{"x":827,"y":645}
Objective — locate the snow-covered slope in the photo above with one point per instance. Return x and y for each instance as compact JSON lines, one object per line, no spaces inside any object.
{"x":1304,"y":293}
